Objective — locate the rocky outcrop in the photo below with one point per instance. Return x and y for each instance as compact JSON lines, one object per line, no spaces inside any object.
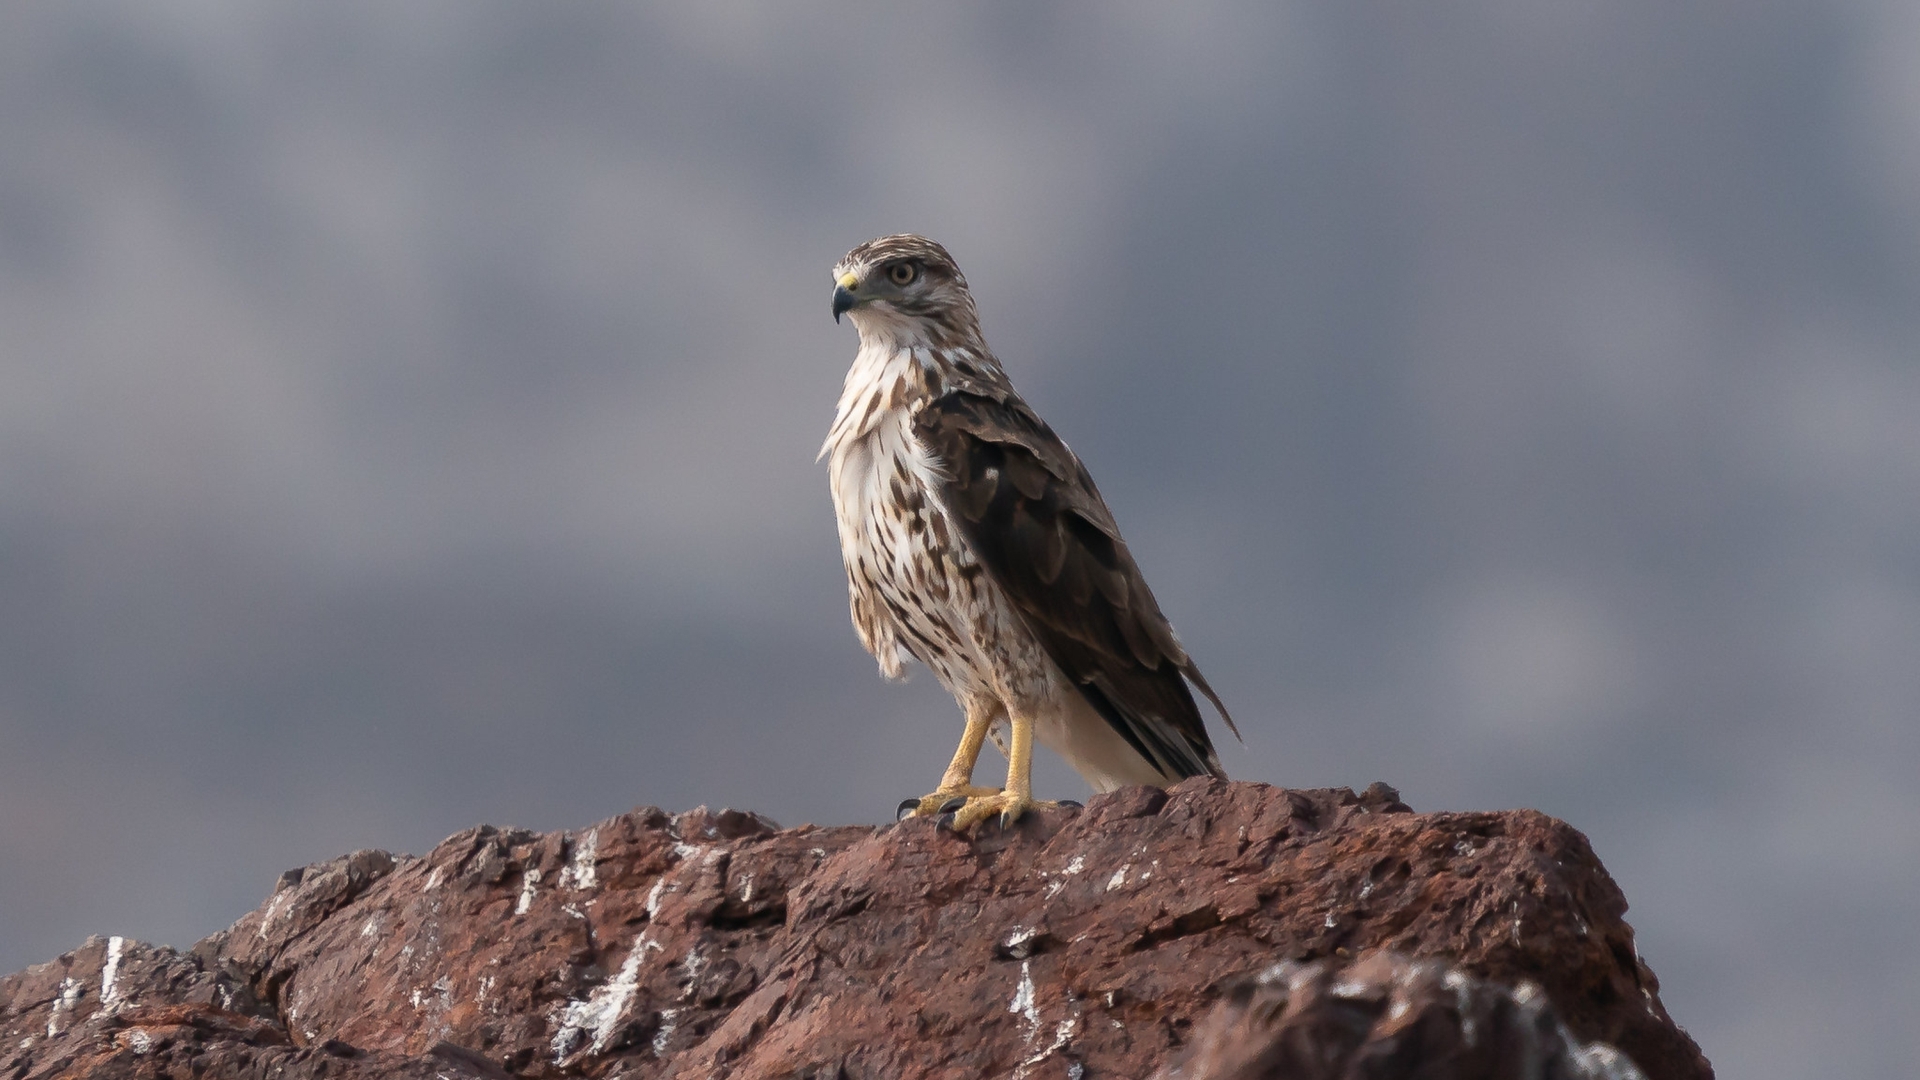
{"x":1387,"y":1017}
{"x":1089,"y":943}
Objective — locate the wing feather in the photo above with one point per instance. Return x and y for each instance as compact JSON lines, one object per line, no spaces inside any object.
{"x":1031,"y":514}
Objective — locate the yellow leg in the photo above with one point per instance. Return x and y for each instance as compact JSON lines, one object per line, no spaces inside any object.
{"x":959,"y":772}
{"x":957,"y":782}
{"x":1017,"y":798}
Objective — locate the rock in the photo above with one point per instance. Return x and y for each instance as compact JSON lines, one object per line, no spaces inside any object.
{"x":1388,"y":1018}
{"x":1080,"y":943}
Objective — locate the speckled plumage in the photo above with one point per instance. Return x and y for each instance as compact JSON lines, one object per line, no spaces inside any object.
{"x":976,"y":543}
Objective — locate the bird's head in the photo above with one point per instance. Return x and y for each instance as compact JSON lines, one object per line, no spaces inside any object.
{"x":904,"y":287}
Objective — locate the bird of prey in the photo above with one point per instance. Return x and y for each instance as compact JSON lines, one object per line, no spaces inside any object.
{"x":976,"y":543}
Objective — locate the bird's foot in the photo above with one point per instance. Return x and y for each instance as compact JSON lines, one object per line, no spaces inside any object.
{"x":943,"y":801}
{"x":1007,"y":806}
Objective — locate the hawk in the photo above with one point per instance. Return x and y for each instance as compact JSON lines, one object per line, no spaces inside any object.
{"x":976,"y":543}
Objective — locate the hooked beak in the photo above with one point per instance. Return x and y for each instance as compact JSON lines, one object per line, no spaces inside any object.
{"x":843,"y":298}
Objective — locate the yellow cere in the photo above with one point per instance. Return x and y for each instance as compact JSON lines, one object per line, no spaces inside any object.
{"x":849,"y":279}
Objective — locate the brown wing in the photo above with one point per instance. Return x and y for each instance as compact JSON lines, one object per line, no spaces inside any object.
{"x":1031,"y":514}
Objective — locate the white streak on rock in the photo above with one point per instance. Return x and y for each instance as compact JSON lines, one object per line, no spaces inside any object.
{"x":110,"y":973}
{"x":1062,"y":1032}
{"x":433,"y":880}
{"x":1119,"y":877}
{"x":692,"y":966}
{"x":599,"y":1014}
{"x":527,"y":881}
{"x":1603,"y":1062}
{"x":665,"y":1035}
{"x":70,"y":991}
{"x":579,"y":873}
{"x":1023,"y":1001}
{"x":1075,"y":865}
{"x":443,"y":1004}
{"x":139,"y":1041}
{"x":746,"y":888}
{"x":272,"y":912}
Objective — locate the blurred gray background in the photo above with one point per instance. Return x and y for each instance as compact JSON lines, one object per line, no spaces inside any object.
{"x":407,"y":420}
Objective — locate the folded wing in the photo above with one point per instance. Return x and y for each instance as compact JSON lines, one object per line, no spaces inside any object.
{"x":1032,"y":516}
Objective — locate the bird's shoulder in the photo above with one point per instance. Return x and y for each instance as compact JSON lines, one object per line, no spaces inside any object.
{"x":984,"y":433}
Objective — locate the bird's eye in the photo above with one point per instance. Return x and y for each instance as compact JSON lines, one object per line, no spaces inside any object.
{"x":902,"y":273}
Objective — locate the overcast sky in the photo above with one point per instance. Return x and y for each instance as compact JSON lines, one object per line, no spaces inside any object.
{"x":408,"y":410}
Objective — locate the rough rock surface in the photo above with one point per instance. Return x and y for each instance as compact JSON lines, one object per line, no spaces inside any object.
{"x":1388,"y":1018}
{"x":1077,"y":944}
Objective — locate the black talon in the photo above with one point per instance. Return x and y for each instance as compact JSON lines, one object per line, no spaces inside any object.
{"x":949,"y":808}
{"x":907,"y":807}
{"x":1069,"y":804}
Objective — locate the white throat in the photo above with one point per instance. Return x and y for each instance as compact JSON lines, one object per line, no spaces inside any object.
{"x":878,"y":384}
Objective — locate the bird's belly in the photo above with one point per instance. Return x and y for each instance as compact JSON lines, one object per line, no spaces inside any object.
{"x":915,"y":583}
{"x":948,"y":614}
{"x":910,"y":574}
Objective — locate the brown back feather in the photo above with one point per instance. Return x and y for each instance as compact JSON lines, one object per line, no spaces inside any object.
{"x":1030,"y":513}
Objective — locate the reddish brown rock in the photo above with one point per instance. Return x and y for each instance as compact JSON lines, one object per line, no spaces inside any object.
{"x":1388,"y":1017}
{"x":1078,"y":944}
